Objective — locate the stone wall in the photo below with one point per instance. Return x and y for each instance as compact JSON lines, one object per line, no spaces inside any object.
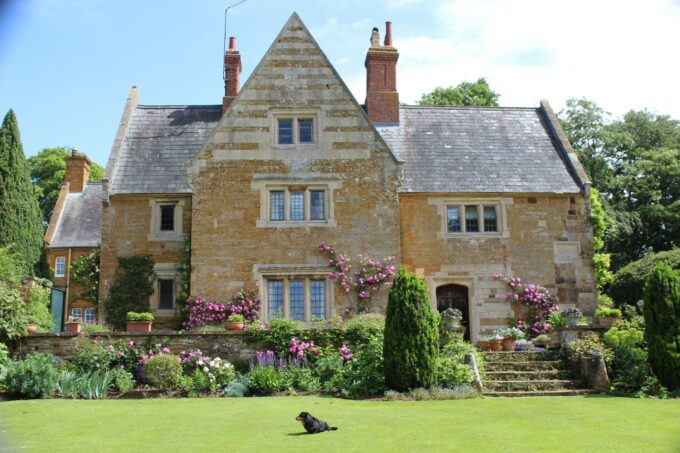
{"x":228,"y":345}
{"x":542,"y":239}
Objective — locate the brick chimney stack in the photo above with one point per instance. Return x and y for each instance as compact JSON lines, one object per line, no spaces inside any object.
{"x":232,"y":74}
{"x":382,"y":98}
{"x":77,"y":171}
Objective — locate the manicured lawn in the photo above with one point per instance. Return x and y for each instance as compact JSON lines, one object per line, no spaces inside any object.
{"x":574,"y":424}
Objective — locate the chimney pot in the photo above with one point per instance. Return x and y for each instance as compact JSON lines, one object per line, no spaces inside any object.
{"x":232,"y":43}
{"x":388,"y":33}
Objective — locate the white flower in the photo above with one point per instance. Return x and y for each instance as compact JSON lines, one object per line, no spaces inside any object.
{"x":205,"y":369}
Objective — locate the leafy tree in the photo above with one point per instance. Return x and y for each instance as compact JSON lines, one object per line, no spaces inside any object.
{"x":600,"y":221}
{"x":13,"y":316}
{"x":20,"y":219}
{"x":85,"y":271}
{"x":131,"y":289}
{"x":411,"y":336}
{"x":626,"y":287}
{"x":47,"y":173}
{"x":662,"y":324}
{"x":465,"y":93}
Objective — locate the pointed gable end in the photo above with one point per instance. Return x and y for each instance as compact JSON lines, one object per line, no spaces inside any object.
{"x":294,"y":106}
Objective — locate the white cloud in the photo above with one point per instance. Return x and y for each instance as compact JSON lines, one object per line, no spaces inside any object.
{"x":621,"y":54}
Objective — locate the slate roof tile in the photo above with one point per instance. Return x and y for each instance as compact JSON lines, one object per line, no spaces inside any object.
{"x":81,"y":219}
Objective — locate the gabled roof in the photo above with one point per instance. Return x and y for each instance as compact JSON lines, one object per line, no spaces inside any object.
{"x":80,"y":221}
{"x":158,"y":142}
{"x":479,"y":149}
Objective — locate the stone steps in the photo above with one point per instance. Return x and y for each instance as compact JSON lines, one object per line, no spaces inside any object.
{"x":530,"y":373}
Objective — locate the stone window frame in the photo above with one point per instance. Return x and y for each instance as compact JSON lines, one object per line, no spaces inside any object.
{"x":60,"y":261}
{"x":266,"y":272}
{"x":294,"y":115}
{"x":500,"y":203}
{"x":156,"y":234}
{"x":164,"y":271}
{"x":265,"y":184}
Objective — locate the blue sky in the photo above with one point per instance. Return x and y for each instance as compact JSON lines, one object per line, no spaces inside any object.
{"x":66,"y":65}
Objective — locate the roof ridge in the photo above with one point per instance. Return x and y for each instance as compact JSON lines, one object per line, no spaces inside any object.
{"x":464,"y":107}
{"x":178,"y":106}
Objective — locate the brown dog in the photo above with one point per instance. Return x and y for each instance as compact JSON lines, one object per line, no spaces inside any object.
{"x":312,"y":424}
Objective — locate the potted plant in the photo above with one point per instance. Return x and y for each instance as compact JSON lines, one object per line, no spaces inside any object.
{"x":510,"y":336}
{"x":495,"y":342}
{"x":73,"y":324}
{"x":606,"y":317}
{"x":139,"y":322}
{"x":235,"y":322}
{"x":451,"y":318}
{"x":542,"y":340}
{"x":572,"y":316}
{"x":484,"y":344}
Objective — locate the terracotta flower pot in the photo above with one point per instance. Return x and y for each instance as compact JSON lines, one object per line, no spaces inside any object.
{"x":509,"y":344}
{"x":606,"y":321}
{"x":73,"y":327}
{"x":496,"y":346}
{"x":138,"y":326}
{"x":235,"y":325}
{"x":32,"y":328}
{"x":485,"y":345}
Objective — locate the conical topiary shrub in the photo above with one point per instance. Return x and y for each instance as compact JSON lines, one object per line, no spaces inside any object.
{"x":411,"y":335}
{"x":662,"y":324}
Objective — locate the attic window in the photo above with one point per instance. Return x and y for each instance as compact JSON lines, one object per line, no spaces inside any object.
{"x":295,"y":127}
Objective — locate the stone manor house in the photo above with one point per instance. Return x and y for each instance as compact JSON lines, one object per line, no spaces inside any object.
{"x":290,"y":160}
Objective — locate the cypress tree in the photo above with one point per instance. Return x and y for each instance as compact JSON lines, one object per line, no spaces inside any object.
{"x":20,"y":216}
{"x":411,"y":344}
{"x":662,"y":324}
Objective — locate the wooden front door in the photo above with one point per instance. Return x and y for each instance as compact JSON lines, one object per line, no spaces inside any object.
{"x":455,"y":296}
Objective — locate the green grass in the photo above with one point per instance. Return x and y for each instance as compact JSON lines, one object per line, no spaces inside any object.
{"x":573,"y":424}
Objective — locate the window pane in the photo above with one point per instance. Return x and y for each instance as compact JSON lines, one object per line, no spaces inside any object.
{"x":317,"y":205}
{"x":276,"y":206}
{"x":297,"y":299}
{"x":490,"y":218}
{"x":318,"y":302}
{"x":60,"y":266}
{"x":89,"y":316}
{"x":286,"y":131}
{"x":453,"y":219}
{"x":275,"y":299}
{"x":77,"y":313}
{"x":165,"y":294}
{"x":471,"y":218}
{"x":297,"y":206}
{"x":305,"y":130}
{"x":167,"y":218}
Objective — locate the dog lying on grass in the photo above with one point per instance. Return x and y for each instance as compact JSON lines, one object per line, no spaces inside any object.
{"x":312,"y":424}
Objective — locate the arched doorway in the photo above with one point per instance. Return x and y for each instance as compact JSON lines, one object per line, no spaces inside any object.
{"x":455,"y":296}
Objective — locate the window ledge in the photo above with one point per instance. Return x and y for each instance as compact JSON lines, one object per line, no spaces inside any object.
{"x":295,"y":224}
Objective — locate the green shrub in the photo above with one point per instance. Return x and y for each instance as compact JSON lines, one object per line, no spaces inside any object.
{"x":38,"y":307}
{"x":363,"y":375}
{"x":131,"y":289}
{"x":67,"y":384}
{"x":585,"y":346}
{"x":163,"y":371}
{"x":94,"y":328}
{"x":263,"y":380}
{"x":451,"y":368}
{"x":237,"y":389}
{"x":90,"y":356}
{"x":139,"y":317}
{"x":95,"y":385}
{"x":280,"y":331}
{"x":200,"y":383}
{"x":627,"y":286}
{"x":33,"y":377}
{"x":604,"y":312}
{"x":557,"y":320}
{"x":363,"y":327}
{"x":123,"y":380}
{"x":298,"y":378}
{"x":624,"y":334}
{"x":662,"y":324}
{"x":629,"y":369}
{"x":327,"y":366}
{"x":411,"y":335}
{"x":13,"y":319}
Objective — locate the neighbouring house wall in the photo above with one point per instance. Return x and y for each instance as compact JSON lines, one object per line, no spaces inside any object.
{"x":232,"y":241}
{"x":543,"y":239}
{"x":127,"y":230}
{"x":73,"y":290}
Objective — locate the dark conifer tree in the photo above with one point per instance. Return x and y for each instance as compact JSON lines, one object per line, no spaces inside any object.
{"x":411,"y":335}
{"x":20,"y":217}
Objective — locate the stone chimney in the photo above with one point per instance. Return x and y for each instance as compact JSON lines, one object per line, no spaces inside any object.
{"x":77,"y":171}
{"x":232,"y":74}
{"x":382,"y":98}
